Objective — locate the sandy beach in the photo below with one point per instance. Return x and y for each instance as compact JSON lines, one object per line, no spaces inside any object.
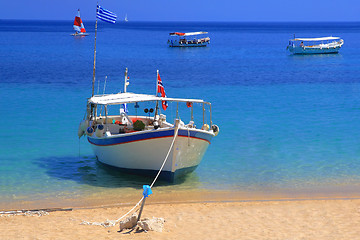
{"x":275,"y":219}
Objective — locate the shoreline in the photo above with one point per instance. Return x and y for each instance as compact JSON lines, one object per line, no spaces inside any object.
{"x":285,"y":219}
{"x":176,"y":197}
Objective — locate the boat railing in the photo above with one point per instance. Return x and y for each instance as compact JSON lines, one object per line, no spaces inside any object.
{"x":123,"y":120}
{"x":116,"y":124}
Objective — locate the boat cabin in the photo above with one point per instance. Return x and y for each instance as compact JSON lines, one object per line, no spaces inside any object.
{"x":130,"y":112}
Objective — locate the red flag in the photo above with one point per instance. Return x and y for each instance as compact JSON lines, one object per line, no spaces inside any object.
{"x":161,"y":90}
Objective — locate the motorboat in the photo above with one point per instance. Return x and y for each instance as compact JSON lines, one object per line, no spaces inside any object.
{"x":315,"y":45}
{"x":140,"y":143}
{"x":190,"y":39}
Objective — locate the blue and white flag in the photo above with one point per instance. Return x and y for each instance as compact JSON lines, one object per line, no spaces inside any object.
{"x":124,"y":108}
{"x":105,"y":15}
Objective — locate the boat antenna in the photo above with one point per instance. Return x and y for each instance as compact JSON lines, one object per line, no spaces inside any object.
{"x":126,"y":83}
{"x":98,"y":86}
{"x":93,"y":80}
{"x":104,"y":85}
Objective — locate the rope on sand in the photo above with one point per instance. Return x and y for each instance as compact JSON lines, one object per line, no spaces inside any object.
{"x":111,"y":223}
{"x":38,"y":213}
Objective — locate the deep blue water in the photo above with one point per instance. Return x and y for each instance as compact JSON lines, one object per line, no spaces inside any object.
{"x":287,"y":123}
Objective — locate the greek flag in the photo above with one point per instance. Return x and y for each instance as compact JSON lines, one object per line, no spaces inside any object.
{"x":124,"y":108}
{"x":105,"y":15}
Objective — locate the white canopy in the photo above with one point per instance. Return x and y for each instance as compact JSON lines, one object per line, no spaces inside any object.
{"x":194,"y":33}
{"x":120,"y":98}
{"x":315,"y":39}
{"x":187,"y":34}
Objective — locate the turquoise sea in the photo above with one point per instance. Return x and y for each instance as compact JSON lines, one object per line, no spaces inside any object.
{"x":289,"y":125}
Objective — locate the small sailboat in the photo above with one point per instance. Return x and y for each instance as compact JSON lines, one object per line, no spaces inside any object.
{"x":79,"y":26}
{"x":126,"y":19}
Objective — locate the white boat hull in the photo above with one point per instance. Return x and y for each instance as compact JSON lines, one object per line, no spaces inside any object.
{"x":308,"y":50}
{"x":79,"y":34}
{"x":144,"y":152}
{"x":177,"y":44}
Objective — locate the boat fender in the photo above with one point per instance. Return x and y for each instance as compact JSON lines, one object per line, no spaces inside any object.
{"x":205,"y":127}
{"x":82,"y":127}
{"x":215,"y":129}
{"x":89,"y":131}
{"x":156,"y":124}
{"x":99,"y":132}
{"x":81,"y":130}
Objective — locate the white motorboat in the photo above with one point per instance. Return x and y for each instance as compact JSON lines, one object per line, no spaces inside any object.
{"x":191,"y":39}
{"x":315,"y":45}
{"x":140,"y":143}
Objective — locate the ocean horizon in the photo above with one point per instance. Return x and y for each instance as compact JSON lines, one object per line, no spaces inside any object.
{"x":289,"y":125}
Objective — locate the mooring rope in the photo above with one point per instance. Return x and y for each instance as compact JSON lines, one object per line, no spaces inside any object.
{"x":111,"y":223}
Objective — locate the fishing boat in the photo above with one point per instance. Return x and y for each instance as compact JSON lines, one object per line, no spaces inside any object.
{"x":315,"y":45}
{"x":122,"y":137}
{"x":79,"y":26}
{"x":190,"y":39}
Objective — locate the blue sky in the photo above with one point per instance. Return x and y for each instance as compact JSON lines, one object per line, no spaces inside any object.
{"x":187,"y":10}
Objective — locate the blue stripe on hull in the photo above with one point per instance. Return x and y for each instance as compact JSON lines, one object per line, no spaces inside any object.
{"x":121,"y":139}
{"x":164,"y":175}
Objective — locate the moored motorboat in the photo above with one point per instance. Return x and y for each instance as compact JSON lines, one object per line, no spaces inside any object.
{"x":315,"y":45}
{"x":140,"y":144}
{"x":191,"y":39}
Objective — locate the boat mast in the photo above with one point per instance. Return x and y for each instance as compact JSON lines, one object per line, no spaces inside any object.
{"x":93,"y":80}
{"x":156,"y":93}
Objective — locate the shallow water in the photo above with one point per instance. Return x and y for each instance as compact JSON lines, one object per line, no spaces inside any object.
{"x":288,"y":124}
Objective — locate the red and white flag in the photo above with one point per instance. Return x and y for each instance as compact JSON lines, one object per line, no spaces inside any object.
{"x":161,"y":90}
